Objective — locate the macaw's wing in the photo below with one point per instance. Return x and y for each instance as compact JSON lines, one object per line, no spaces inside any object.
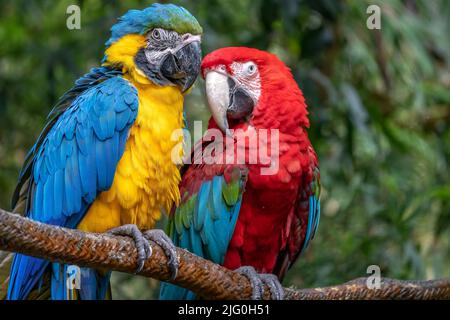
{"x":74,"y":161}
{"x":21,"y":199}
{"x":205,"y":220}
{"x":79,"y":155}
{"x":305,"y":218}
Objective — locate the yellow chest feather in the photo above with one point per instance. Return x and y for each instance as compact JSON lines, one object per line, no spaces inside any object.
{"x":146,"y":179}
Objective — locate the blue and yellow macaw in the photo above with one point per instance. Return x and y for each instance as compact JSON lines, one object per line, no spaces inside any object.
{"x":104,"y":160}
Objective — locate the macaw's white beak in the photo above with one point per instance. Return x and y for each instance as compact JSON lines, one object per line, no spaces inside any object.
{"x":218,"y":95}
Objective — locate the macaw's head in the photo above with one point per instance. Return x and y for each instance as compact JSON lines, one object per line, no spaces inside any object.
{"x":160,"y":45}
{"x":252,"y":86}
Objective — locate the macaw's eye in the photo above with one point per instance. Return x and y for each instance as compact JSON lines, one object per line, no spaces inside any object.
{"x":156,"y":34}
{"x":251,"y":68}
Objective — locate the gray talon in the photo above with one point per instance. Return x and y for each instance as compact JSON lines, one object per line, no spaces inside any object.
{"x":161,"y":239}
{"x":143,"y":248}
{"x":255,"y":280}
{"x":276,"y":289}
{"x":259,"y":280}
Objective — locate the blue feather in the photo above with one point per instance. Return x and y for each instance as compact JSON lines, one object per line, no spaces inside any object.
{"x":25,"y":273}
{"x":69,"y":129}
{"x":49,"y":161}
{"x":58,"y":282}
{"x":76,"y":182}
{"x":108,"y":123}
{"x":48,"y":199}
{"x":185,"y":240}
{"x":313,"y":220}
{"x":58,"y":135}
{"x":108,"y":156}
{"x":317,"y":219}
{"x":115,"y":153}
{"x":93,"y":285}
{"x":217,"y":200}
{"x":68,"y":205}
{"x":100,"y":158}
{"x":209,"y":232}
{"x":58,"y":192}
{"x":84,"y":137}
{"x":196,"y":241}
{"x":122,"y":141}
{"x":66,"y":151}
{"x":122,"y":119}
{"x":200,"y":212}
{"x":38,"y":201}
{"x":65,"y":170}
{"x":88,"y":173}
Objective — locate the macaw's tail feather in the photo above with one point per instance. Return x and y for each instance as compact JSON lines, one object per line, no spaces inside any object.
{"x":6,"y":258}
{"x":39,"y":293}
{"x":94,"y":285}
{"x":172,"y":292}
{"x":74,"y":283}
{"x":13,"y":266}
{"x":25,"y":274}
{"x":30,"y":279}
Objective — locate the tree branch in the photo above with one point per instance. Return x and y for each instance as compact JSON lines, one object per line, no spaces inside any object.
{"x":203,"y":277}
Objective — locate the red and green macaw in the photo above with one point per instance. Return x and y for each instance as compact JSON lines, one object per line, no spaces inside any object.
{"x":235,"y":213}
{"x":103,"y":162}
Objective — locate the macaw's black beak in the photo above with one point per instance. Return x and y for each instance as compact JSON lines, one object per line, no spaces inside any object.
{"x":241,"y":104}
{"x":183,"y":66}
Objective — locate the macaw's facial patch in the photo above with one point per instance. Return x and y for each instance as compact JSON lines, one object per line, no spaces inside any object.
{"x":170,"y":58}
{"x":233,"y":91}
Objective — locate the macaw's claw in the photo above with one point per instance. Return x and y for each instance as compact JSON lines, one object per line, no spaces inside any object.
{"x":144,"y":250}
{"x":161,"y":239}
{"x":258,"y":281}
{"x":255,"y":280}
{"x":276,"y":289}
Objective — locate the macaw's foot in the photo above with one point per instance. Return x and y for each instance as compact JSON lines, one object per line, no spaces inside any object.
{"x":258,"y":280}
{"x":144,"y":251}
{"x":161,"y":239}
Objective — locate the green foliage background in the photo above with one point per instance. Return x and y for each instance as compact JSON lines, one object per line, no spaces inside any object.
{"x":379,"y":104}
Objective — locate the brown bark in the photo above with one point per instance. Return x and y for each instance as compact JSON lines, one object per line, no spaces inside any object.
{"x":203,"y":277}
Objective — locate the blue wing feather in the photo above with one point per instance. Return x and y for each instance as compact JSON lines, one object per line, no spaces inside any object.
{"x":209,"y":231}
{"x":58,"y":190}
{"x":48,"y":199}
{"x":72,"y":162}
{"x":200,"y":208}
{"x":196,"y":243}
{"x":313,"y":210}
